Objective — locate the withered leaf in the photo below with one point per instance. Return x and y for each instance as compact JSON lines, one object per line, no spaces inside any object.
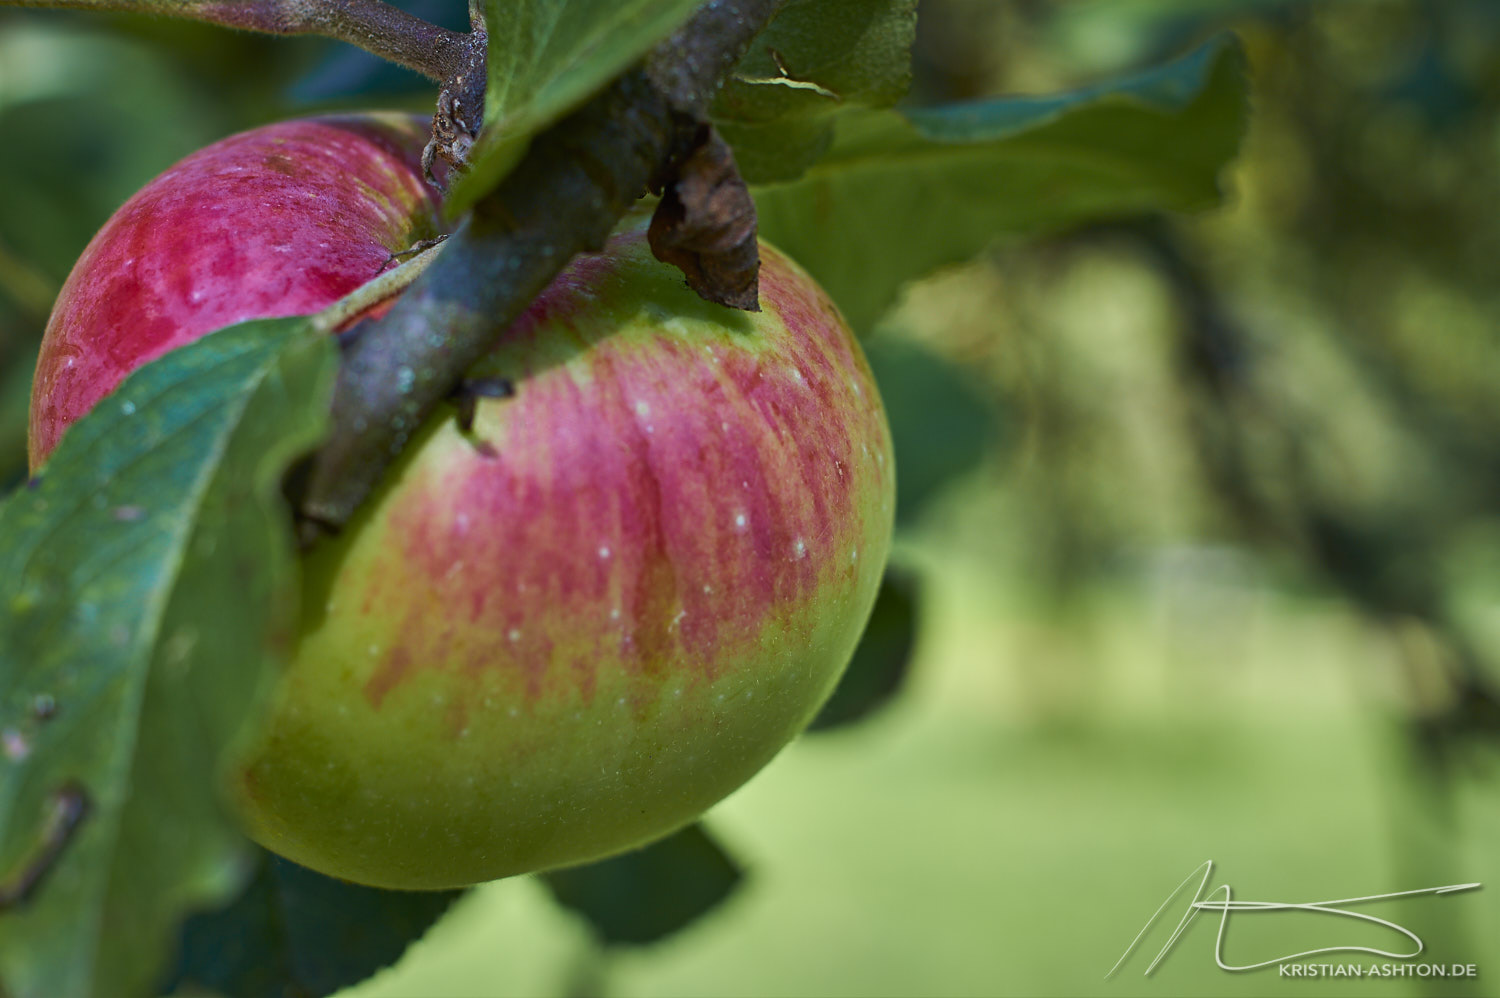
{"x":705,"y":226}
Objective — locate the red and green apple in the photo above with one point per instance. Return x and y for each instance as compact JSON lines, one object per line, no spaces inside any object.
{"x":569,"y":629}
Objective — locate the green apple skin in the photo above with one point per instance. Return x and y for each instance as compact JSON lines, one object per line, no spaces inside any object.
{"x":572,"y":629}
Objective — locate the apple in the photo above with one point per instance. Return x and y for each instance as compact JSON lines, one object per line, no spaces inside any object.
{"x":569,"y":629}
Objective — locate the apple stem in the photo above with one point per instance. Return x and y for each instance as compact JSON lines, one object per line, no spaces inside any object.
{"x":372,"y":25}
{"x":576,"y":181}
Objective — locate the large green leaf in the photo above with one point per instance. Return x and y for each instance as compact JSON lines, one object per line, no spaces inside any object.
{"x":817,"y":58}
{"x":902,"y":193}
{"x":642,"y":897}
{"x":297,"y":932}
{"x":545,"y":58}
{"x":147,"y":581}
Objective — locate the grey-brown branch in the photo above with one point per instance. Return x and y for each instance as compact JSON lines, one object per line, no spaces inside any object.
{"x":377,"y":27}
{"x":575,"y":183}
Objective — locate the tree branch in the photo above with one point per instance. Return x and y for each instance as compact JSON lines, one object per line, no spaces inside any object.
{"x":577,"y":180}
{"x":374,"y":26}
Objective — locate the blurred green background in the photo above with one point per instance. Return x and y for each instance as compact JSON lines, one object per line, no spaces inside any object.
{"x":1203,"y":516}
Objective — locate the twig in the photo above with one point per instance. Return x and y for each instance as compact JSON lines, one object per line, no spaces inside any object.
{"x":67,"y":808}
{"x":377,"y":27}
{"x":576,"y":181}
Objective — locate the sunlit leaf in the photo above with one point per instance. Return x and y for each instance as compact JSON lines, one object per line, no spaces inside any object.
{"x":817,"y":58}
{"x":147,"y":582}
{"x":902,"y":193}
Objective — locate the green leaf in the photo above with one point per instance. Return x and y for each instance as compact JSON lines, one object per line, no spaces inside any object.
{"x":296,"y":932}
{"x":644,"y":896}
{"x":878,"y":670}
{"x":817,"y":58}
{"x":903,"y":193}
{"x":942,"y":422}
{"x":147,"y":582}
{"x":546,"y":57}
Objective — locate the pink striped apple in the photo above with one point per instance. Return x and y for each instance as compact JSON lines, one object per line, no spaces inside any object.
{"x":571,"y":629}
